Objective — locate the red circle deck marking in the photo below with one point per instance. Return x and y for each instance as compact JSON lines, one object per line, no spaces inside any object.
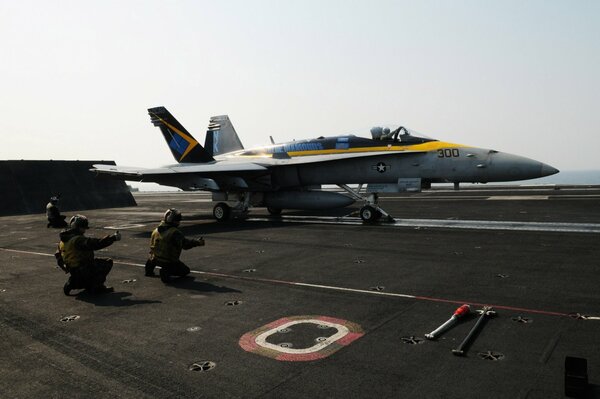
{"x":255,"y":341}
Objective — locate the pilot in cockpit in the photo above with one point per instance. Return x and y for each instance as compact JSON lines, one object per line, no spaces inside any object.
{"x":384,"y":133}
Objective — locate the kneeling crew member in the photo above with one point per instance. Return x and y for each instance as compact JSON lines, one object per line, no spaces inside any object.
{"x":77,"y":253}
{"x":166,"y":244}
{"x":55,"y":219}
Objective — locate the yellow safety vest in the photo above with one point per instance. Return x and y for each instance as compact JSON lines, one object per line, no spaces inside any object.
{"x":162,"y":246}
{"x":73,"y":256}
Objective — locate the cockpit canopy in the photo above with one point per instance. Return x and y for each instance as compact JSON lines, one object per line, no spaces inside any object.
{"x":397,"y":133}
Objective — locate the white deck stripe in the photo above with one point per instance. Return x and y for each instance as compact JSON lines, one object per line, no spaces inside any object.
{"x":449,"y":224}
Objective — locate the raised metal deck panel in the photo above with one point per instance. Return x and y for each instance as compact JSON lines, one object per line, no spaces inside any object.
{"x":28,"y":185}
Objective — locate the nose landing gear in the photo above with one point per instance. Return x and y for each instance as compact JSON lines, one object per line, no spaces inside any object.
{"x":371,"y":212}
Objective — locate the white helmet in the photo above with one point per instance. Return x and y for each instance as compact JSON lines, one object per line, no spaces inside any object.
{"x":172,"y":216}
{"x":79,"y":221}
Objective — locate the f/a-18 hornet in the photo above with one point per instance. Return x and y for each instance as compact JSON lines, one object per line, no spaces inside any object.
{"x":290,"y":175}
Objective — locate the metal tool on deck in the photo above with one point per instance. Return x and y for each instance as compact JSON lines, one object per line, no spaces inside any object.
{"x":458,"y":313}
{"x":484,"y":314}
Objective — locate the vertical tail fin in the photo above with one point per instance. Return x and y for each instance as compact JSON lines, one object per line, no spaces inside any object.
{"x":221,"y":137}
{"x":183,"y":145}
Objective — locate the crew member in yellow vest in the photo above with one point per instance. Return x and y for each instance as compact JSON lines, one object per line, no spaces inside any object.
{"x":55,"y":219}
{"x":76,"y":252}
{"x":166,"y":244}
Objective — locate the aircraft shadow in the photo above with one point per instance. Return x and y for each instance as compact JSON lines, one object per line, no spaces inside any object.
{"x":190,"y":283}
{"x":116,"y":299}
{"x":339,"y":212}
{"x":211,"y":226}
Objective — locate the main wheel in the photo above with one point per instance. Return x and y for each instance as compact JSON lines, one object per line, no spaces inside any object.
{"x":221,"y":212}
{"x":274,"y":211}
{"x":369,"y":214}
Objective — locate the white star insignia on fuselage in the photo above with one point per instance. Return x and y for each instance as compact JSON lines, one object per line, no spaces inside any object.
{"x":380,"y":167}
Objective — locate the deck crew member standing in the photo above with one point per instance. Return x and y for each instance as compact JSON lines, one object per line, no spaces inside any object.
{"x":77,"y":253}
{"x":166,"y":244}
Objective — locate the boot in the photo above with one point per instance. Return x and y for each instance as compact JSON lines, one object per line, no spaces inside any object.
{"x":164,"y":275}
{"x":67,"y":288}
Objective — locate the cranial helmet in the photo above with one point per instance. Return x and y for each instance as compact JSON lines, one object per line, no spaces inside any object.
{"x":172,"y":216}
{"x":53,"y":200}
{"x":79,"y":221}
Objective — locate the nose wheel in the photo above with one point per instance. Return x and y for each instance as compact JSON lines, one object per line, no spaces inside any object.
{"x":370,"y":212}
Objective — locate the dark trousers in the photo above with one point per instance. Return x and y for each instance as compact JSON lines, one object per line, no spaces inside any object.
{"x":92,"y":276}
{"x":168,"y":269}
{"x":58,"y":222}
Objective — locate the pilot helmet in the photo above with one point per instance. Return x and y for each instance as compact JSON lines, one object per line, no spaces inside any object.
{"x":376,"y":132}
{"x":172,"y":216}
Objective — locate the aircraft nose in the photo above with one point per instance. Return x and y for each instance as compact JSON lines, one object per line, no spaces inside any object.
{"x":548,"y":170}
{"x":510,"y":167}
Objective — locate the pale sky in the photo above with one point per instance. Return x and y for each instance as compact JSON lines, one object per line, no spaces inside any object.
{"x":76,"y":77}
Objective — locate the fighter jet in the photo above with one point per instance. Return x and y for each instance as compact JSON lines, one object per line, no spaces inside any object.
{"x":290,"y":175}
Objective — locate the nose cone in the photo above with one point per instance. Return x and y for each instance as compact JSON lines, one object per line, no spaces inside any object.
{"x":510,"y":167}
{"x":548,"y":170}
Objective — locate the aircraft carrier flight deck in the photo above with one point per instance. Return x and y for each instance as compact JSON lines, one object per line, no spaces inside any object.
{"x":315,"y":304}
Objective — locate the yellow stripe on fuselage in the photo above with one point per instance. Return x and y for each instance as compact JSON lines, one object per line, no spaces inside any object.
{"x":428,"y":146}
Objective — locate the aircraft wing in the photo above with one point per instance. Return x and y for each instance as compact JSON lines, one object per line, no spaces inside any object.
{"x":308,"y":159}
{"x":233,"y":165}
{"x":213,"y":176}
{"x":219,"y":167}
{"x":229,"y":172}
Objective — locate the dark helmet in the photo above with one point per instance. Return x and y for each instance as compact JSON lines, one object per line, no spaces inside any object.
{"x":172,"y":216}
{"x":54,"y":200}
{"x":79,"y":221}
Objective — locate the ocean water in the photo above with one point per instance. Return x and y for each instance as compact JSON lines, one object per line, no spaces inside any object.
{"x":568,"y":177}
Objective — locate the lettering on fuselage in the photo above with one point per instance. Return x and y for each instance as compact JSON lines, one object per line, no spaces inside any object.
{"x":295,"y":147}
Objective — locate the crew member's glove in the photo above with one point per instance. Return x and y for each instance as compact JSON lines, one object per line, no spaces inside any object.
{"x":117,"y":236}
{"x":199,"y":242}
{"x":60,"y":262}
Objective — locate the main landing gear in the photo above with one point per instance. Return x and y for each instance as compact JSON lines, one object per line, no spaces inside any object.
{"x":370,"y":212}
{"x":223,"y":212}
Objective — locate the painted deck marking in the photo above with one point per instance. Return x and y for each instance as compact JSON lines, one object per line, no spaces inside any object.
{"x":342,"y":289}
{"x":517,"y":197}
{"x":256,"y":342}
{"x":557,"y":227}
